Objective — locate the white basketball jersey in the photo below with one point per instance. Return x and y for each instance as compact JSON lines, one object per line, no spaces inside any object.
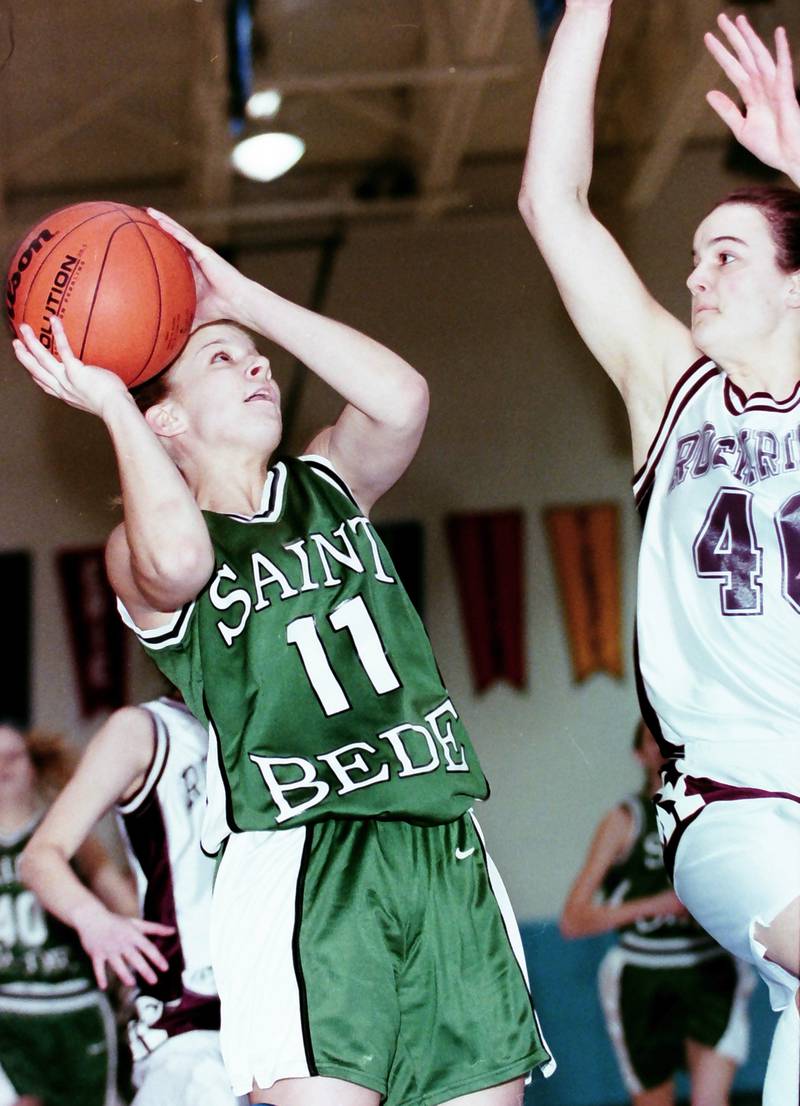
{"x":719,"y":582}
{"x":160,"y":826}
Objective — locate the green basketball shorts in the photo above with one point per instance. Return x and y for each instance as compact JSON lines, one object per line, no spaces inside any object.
{"x":651,"y":1011}
{"x":60,"y":1049}
{"x":377,"y":952}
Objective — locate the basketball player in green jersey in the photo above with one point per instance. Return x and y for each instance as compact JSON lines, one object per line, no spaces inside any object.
{"x":362,"y":943}
{"x":58,"y":1038}
{"x":671,"y":996}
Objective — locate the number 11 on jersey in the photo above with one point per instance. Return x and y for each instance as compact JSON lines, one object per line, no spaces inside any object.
{"x":353,"y":616}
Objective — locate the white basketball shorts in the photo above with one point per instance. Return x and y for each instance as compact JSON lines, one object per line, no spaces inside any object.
{"x":738,"y":866}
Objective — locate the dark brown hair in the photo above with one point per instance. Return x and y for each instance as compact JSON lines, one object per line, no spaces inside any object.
{"x":781,"y":208}
{"x":53,"y":757}
{"x":153,"y":391}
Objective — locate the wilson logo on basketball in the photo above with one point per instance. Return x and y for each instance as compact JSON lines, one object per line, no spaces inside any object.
{"x":25,"y":259}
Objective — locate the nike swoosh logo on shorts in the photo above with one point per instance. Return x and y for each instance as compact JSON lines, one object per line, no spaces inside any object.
{"x":462,"y":854}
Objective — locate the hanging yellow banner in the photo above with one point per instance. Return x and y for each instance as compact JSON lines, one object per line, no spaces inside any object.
{"x":584,"y":542}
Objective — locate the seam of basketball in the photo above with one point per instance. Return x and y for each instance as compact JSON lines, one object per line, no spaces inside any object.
{"x":97,"y":283}
{"x":132,"y":383}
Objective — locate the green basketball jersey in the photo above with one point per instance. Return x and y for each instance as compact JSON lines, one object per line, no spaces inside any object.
{"x":308,"y":662}
{"x":642,"y":874}
{"x":39,"y":955}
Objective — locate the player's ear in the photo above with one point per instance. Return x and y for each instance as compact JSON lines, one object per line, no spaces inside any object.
{"x":165,"y":419}
{"x":793,"y":294}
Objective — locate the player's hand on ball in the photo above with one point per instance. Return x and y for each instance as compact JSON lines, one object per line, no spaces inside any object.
{"x":87,"y":387}
{"x":220,"y":286}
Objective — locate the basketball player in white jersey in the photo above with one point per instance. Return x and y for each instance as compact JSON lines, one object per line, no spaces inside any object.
{"x":150,"y":763}
{"x":714,"y":412}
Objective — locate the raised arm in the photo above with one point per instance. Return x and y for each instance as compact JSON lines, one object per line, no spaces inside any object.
{"x":768,"y":124}
{"x":639,"y":344}
{"x":113,"y":764}
{"x":582,"y":916}
{"x":161,"y":557}
{"x":378,"y":432}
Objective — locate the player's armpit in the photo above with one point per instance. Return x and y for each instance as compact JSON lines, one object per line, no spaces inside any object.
{"x":372,"y":454}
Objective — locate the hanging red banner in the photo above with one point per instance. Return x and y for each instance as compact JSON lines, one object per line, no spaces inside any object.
{"x":96,"y":631}
{"x":584,"y":542}
{"x":487,"y":554}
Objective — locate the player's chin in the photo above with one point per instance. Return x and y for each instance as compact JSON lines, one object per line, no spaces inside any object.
{"x":708,"y":339}
{"x":268,"y":434}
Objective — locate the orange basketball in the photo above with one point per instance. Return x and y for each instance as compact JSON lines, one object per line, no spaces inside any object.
{"x":121,"y":286}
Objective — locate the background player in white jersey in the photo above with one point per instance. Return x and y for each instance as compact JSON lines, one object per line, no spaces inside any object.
{"x":716,"y":441}
{"x":58,"y":1037}
{"x":340,"y":774}
{"x":672,"y":998}
{"x":149,"y":762}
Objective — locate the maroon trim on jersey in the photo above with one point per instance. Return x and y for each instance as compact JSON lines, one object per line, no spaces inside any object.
{"x":714,"y":791}
{"x":649,"y":716}
{"x":672,"y":412}
{"x":739,"y":403}
{"x":139,"y":792}
{"x":711,"y":791}
{"x":147,"y":834}
{"x":192,"y":1012}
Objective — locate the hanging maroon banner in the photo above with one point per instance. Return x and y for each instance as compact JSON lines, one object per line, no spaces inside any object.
{"x":15,"y":687}
{"x":96,"y":631}
{"x":584,"y":542}
{"x":487,"y":554}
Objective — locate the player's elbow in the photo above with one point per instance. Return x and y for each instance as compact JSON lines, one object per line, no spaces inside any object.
{"x":174,"y":575}
{"x":527,"y":205}
{"x":405,"y":410}
{"x":415,"y":400}
{"x":536,"y":206}
{"x":544,"y":205}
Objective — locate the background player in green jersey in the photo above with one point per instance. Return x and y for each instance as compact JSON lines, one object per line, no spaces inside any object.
{"x":57,"y":1031}
{"x":147,"y":762}
{"x":672,"y":997}
{"x":362,"y":943}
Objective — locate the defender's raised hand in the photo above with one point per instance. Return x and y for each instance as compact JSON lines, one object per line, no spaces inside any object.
{"x":768,"y":124}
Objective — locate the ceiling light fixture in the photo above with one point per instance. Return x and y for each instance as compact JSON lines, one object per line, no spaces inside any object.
{"x":265,"y":157}
{"x":264,"y":104}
